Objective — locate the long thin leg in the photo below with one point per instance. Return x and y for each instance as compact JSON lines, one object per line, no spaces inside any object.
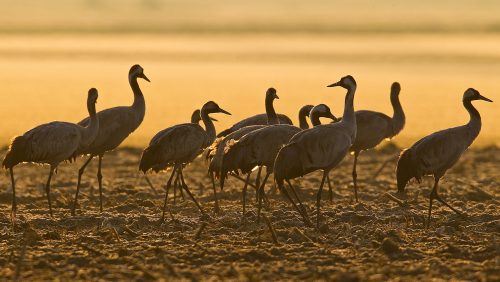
{"x":297,"y":197}
{"x":318,"y":199}
{"x":307,"y":221}
{"x":184,"y":185}
{"x":150,"y":185}
{"x":47,"y":189}
{"x":169,"y":183}
{"x":330,"y":190}
{"x":355,"y":175}
{"x":245,"y":195}
{"x":216,"y":204}
{"x":80,"y":173}
{"x":257,"y":178}
{"x":14,"y":203}
{"x":260,"y":192}
{"x":443,"y":202}
{"x":431,"y":198}
{"x":99,"y":179}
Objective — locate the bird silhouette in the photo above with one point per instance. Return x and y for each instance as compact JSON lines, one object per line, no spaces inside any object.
{"x":438,"y":152}
{"x":116,"y":124}
{"x":179,"y":145}
{"x":51,"y":143}
{"x":321,"y":147}
{"x":303,"y":114}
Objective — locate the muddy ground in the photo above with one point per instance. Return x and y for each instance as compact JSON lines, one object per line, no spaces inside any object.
{"x":374,"y":240}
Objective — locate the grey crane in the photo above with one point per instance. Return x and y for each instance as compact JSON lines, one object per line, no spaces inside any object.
{"x":321,"y":147}
{"x":116,"y":124}
{"x":259,"y":148}
{"x":303,"y":114}
{"x":179,"y":145}
{"x":374,"y":127}
{"x":436,"y":153}
{"x":51,"y":143}
{"x":270,"y":117}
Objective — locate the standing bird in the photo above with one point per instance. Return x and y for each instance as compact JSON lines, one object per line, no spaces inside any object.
{"x":270,"y":117}
{"x":321,"y":147}
{"x":436,"y":153}
{"x":179,"y":145}
{"x":303,"y":114}
{"x":374,"y":127}
{"x":51,"y":143}
{"x":116,"y":124}
{"x":260,"y":147}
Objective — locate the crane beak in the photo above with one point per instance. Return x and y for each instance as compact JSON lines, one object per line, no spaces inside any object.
{"x":213,"y":119}
{"x":334,"y":118}
{"x":276,"y":96}
{"x":334,"y":84}
{"x":481,"y":97}
{"x":224,"y":111}
{"x":145,"y":77}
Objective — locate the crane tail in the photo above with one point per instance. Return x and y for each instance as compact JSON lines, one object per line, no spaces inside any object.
{"x":148,"y":159}
{"x":406,"y":169}
{"x":236,"y":158}
{"x":17,"y":152}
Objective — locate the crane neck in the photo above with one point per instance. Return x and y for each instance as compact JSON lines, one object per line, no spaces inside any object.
{"x":272,"y":117}
{"x":349,"y":115}
{"x":398,"y":117}
{"x":139,"y":104}
{"x":209,"y":126}
{"x":91,"y":130}
{"x":474,"y":124}
{"x":314,"y":116}
{"x":303,"y":113}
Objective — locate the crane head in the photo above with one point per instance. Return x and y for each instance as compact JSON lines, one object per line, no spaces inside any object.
{"x":92,"y":97}
{"x":212,"y":107}
{"x":271,"y":93}
{"x":346,"y":82}
{"x":138,"y":71}
{"x":322,"y":110}
{"x":472,"y":94}
{"x":395,"y":88}
{"x":196,"y":117}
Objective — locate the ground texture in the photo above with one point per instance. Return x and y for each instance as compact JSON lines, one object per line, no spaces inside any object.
{"x":377,"y":239}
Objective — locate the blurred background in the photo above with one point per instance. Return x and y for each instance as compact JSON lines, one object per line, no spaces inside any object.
{"x":52,"y":52}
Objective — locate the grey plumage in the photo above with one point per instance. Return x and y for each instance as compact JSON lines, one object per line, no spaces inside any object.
{"x":116,"y":124}
{"x":303,"y":114}
{"x":52,"y":143}
{"x":179,"y":145}
{"x":374,"y":127}
{"x":436,"y":153}
{"x":270,"y":117}
{"x":321,"y":147}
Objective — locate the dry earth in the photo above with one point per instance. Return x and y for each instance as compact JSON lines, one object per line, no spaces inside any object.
{"x":375,"y":240}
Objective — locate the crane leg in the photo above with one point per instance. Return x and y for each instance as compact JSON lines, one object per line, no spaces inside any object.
{"x":304,"y":211}
{"x":80,"y":173}
{"x":99,"y":180}
{"x":355,"y":176}
{"x":245,"y":196}
{"x":257,"y":181}
{"x":150,"y":185}
{"x":184,"y":185}
{"x":14,"y":203}
{"x":169,"y":183}
{"x":176,"y":184}
{"x":260,"y":193}
{"x":47,"y":189}
{"x":216,"y":204}
{"x":330,"y":190}
{"x":307,"y":221}
{"x":318,"y":199}
{"x":435,"y":195}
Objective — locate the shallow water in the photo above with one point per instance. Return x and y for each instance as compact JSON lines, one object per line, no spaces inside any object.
{"x":46,"y":77}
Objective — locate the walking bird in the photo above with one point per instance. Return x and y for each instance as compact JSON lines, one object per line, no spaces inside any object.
{"x":374,"y":127}
{"x":51,"y":143}
{"x":270,"y":117}
{"x":179,"y":145}
{"x":116,"y":124}
{"x":259,"y":148}
{"x":436,"y":153}
{"x":321,"y":147}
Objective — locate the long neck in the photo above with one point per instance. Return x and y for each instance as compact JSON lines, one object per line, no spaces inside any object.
{"x":89,"y":133}
{"x":398,"y":117}
{"x":348,"y":115}
{"x":474,"y":124}
{"x":209,"y":126}
{"x":272,"y":118}
{"x":302,"y":119}
{"x":139,"y":104}
{"x":315,"y":118}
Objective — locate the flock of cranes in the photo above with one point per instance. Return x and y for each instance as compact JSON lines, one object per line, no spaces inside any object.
{"x":267,"y":141}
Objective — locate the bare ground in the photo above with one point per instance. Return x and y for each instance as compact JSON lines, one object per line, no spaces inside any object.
{"x":374,"y":240}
